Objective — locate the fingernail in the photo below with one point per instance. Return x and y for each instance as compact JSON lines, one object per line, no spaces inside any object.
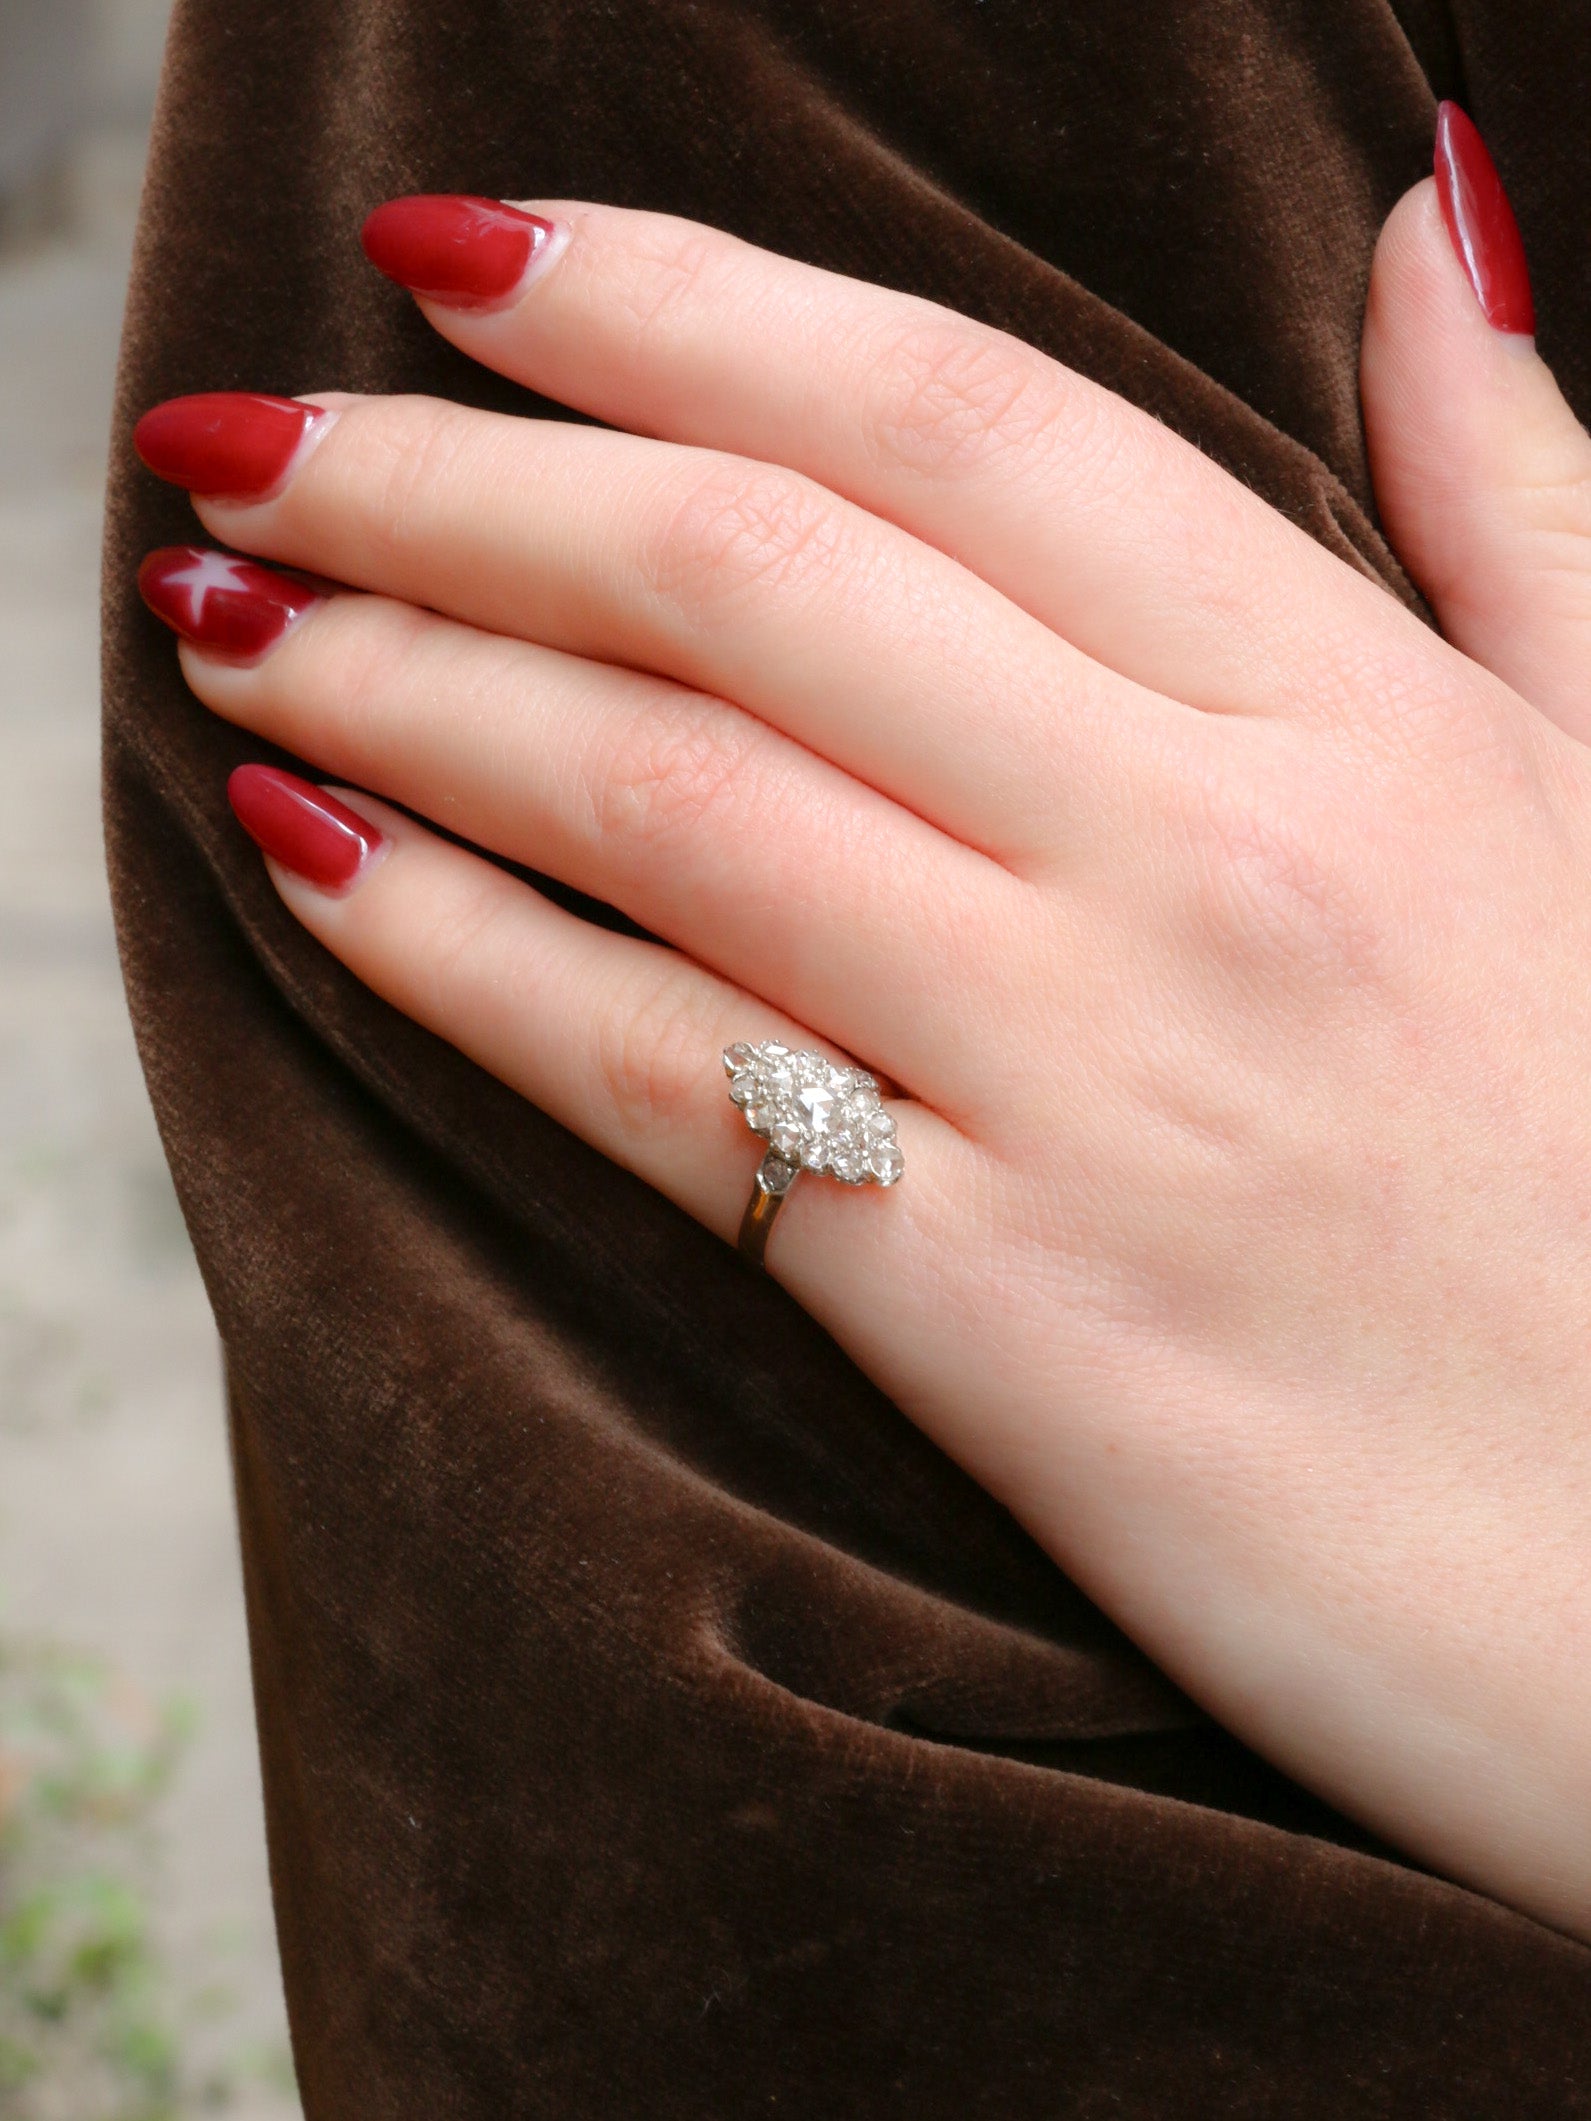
{"x":469,"y":253}
{"x":227,"y":444}
{"x":304,"y":828}
{"x":220,"y":603}
{"x":1481,"y":223}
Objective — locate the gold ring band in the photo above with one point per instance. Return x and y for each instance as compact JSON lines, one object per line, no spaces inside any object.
{"x":774,"y":1179}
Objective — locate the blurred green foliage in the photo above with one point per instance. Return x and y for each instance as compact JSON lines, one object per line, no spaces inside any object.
{"x":90,"y":2026}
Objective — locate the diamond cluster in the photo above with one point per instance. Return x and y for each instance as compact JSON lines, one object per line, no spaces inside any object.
{"x":814,"y":1114}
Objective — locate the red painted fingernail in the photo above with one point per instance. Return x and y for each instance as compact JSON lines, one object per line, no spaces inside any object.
{"x":234,"y":443}
{"x":221,"y":603}
{"x":469,"y":253}
{"x":303,"y":828}
{"x":1481,"y":223}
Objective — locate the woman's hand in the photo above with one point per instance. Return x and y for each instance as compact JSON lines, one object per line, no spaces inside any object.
{"x":1227,"y":932}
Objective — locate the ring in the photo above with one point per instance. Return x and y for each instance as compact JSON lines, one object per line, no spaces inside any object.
{"x":815,"y":1115}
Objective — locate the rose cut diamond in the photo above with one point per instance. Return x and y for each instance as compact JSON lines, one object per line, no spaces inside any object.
{"x":816,"y":1114}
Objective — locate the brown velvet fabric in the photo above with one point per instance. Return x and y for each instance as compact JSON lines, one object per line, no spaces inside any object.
{"x":653,"y":1723}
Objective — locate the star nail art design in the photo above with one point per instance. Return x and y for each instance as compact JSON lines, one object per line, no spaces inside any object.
{"x":205,"y":573}
{"x":223,"y":604}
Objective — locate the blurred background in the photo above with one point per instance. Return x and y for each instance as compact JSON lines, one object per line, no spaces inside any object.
{"x":138,"y":1975}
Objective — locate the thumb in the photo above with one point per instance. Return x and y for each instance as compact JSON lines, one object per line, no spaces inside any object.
{"x":1482,"y":472}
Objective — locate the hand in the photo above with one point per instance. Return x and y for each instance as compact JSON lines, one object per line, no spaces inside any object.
{"x":1227,"y":931}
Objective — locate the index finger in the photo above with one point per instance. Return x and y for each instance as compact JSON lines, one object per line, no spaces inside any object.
{"x":1093,"y":516}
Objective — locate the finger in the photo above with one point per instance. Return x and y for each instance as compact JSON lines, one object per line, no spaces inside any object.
{"x":697,"y":820}
{"x":1482,"y":472}
{"x":1085,"y":511}
{"x":619,"y":1040}
{"x":739,"y":579}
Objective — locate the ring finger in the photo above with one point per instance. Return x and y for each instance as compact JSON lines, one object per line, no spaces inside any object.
{"x":618,"y":1039}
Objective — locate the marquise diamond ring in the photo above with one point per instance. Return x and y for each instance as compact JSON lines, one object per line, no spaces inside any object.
{"x":815,"y":1115}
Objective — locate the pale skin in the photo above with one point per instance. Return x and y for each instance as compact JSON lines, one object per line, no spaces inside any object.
{"x":1226,"y":931}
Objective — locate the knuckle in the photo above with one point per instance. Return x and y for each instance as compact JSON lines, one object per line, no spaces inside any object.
{"x":947,"y":396}
{"x":1205,"y":540}
{"x":650,"y":1046}
{"x":363,"y":665}
{"x":409,"y":453}
{"x":1555,"y":505}
{"x":666,"y":771}
{"x":740,"y":529}
{"x":453,"y":946}
{"x":1282,"y":892}
{"x":1412,"y":699}
{"x":1431,"y":713}
{"x":674,"y":271}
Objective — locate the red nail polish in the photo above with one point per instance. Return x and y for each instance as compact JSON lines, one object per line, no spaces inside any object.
{"x":236,"y":443}
{"x":1481,"y":223}
{"x":222,"y":603}
{"x":469,"y":253}
{"x":302,"y":827}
